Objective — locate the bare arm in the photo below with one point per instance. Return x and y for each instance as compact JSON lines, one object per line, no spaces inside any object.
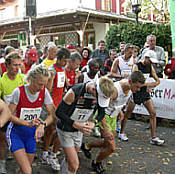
{"x":157,"y":81}
{"x":5,"y":114}
{"x":135,"y":68}
{"x":114,"y":69}
{"x":50,"y":81}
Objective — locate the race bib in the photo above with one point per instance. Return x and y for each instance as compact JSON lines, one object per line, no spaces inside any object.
{"x":88,"y":96}
{"x":81,"y":115}
{"x":7,"y":99}
{"x":116,"y":111}
{"x":125,"y":72}
{"x":146,"y":75}
{"x":28,"y":114}
{"x":61,"y":79}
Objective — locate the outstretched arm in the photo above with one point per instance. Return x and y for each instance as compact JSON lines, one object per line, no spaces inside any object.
{"x":5,"y":114}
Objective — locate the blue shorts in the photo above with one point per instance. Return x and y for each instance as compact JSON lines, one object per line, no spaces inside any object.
{"x":21,"y":137}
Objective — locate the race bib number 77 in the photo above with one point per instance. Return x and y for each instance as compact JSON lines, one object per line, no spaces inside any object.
{"x":29,"y":114}
{"x":81,"y":115}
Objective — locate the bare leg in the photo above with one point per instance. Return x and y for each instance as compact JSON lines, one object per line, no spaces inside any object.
{"x":72,"y":158}
{"x":56,"y":143}
{"x":151,"y":109}
{"x":107,"y":148}
{"x":24,"y":161}
{"x":128,"y":112}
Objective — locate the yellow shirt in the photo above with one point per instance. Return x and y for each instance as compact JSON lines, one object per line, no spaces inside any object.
{"x":48,"y":63}
{"x":7,"y":85}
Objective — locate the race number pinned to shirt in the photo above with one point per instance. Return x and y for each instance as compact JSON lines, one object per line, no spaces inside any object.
{"x":28,"y":114}
{"x":81,"y":115}
{"x":125,"y":72}
{"x":61,"y":79}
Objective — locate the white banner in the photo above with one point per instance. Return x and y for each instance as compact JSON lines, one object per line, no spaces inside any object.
{"x":164,"y":99}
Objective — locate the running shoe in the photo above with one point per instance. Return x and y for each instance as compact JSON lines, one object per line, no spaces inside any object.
{"x":98,"y":168}
{"x":123,"y":137}
{"x":86,"y":151}
{"x":3,"y":167}
{"x":54,"y":163}
{"x":45,"y":157}
{"x":157,"y":141}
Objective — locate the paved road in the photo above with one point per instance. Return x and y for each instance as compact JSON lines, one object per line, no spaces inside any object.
{"x":136,"y":156}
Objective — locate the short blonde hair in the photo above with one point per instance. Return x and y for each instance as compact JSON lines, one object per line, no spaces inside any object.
{"x":107,"y":86}
{"x":37,"y":71}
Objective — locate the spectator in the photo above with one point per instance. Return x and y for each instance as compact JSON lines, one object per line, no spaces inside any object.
{"x":109,"y":62}
{"x":122,"y":46}
{"x":135,"y":54}
{"x":101,"y":52}
{"x":151,"y":40}
{"x":85,"y":53}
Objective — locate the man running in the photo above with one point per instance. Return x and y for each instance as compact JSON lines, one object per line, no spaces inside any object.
{"x":74,"y":122}
{"x":121,"y":94}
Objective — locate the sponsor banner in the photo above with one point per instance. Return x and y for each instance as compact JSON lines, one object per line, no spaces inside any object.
{"x":163,"y":98}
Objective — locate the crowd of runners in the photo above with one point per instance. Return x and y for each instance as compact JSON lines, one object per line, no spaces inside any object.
{"x":61,"y":96}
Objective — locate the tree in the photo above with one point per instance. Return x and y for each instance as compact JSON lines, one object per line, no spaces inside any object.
{"x":136,"y":34}
{"x":158,"y":9}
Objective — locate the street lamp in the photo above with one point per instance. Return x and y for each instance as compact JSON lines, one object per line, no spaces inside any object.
{"x":136,"y":8}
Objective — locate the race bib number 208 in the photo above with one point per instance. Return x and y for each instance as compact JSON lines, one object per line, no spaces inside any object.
{"x":29,"y":114}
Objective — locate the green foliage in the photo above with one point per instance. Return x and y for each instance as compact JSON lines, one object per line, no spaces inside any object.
{"x":136,"y":34}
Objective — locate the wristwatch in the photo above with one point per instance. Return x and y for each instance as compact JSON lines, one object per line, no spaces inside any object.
{"x":43,"y":123}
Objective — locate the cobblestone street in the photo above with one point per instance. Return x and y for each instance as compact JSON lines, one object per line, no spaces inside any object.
{"x":137,"y":156}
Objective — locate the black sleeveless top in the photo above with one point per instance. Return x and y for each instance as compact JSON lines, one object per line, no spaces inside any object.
{"x":65,"y":111}
{"x":142,"y":95}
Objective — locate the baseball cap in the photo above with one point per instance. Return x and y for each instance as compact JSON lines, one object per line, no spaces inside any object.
{"x":103,"y":101}
{"x":32,"y":54}
{"x":152,"y":56}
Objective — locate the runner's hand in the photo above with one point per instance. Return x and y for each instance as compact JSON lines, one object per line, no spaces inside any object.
{"x":90,"y":124}
{"x":39,"y":132}
{"x":35,"y":122}
{"x":83,"y":127}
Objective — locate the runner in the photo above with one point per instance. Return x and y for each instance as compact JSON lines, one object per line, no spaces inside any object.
{"x":121,"y":94}
{"x":26,"y":104}
{"x":8,"y":82}
{"x":143,"y":97}
{"x":56,"y":84}
{"x":74,"y":122}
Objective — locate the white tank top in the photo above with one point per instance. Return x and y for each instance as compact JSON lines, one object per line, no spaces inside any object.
{"x":116,"y":105}
{"x":86,"y":78}
{"x":123,"y":65}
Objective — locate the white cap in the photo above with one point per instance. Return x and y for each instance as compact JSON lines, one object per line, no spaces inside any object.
{"x":51,"y":44}
{"x":152,"y":56}
{"x":103,"y":101}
